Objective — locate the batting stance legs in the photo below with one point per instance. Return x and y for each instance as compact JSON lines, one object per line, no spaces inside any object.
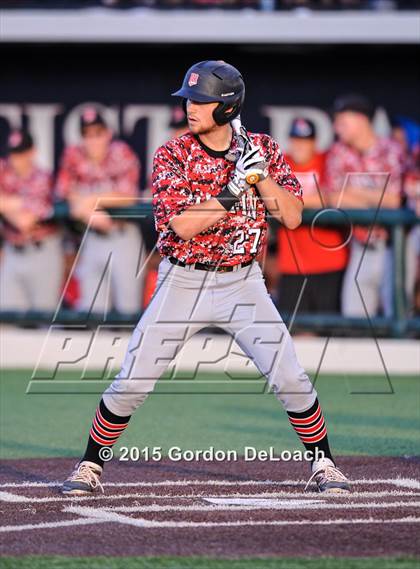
{"x":187,"y":300}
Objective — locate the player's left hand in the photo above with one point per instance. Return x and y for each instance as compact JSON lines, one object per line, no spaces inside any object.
{"x":250,"y":169}
{"x":252,"y":164}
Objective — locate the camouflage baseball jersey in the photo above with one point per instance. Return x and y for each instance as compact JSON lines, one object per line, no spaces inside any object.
{"x":118,"y":172}
{"x":379,"y":168}
{"x":37,"y":192}
{"x":186,"y":172}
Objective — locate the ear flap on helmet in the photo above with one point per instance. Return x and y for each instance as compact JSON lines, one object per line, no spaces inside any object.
{"x":225,"y":112}
{"x":221,"y":115}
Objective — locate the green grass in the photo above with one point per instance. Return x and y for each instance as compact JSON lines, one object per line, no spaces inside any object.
{"x":368,"y":423}
{"x":205,"y":563}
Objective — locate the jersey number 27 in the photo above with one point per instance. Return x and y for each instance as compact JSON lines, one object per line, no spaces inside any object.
{"x":238,"y":244}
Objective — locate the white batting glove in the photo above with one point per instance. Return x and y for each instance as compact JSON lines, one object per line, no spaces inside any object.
{"x":250,"y":169}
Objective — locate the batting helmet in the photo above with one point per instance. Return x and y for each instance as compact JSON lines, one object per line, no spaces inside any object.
{"x":215,"y":81}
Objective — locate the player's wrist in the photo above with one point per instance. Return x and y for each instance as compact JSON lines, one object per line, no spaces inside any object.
{"x":227,"y":198}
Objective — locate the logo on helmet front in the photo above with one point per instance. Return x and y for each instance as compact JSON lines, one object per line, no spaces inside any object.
{"x":90,"y":114}
{"x":193,"y":80}
{"x":15,"y":139}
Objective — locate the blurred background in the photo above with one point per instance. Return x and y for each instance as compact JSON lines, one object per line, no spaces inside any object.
{"x":86,"y":100}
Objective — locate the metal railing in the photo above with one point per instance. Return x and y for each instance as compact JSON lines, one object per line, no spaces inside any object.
{"x":399,"y":325}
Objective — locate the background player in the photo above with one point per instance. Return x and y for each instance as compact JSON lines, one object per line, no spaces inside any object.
{"x":211,"y":226}
{"x":313,"y":253}
{"x":31,"y":269}
{"x":369,"y":168}
{"x":104,"y":171}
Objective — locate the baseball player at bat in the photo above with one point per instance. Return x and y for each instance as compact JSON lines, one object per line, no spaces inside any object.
{"x":213,"y":188}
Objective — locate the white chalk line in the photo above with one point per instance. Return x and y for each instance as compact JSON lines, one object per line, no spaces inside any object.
{"x":50,"y":525}
{"x":114,"y":514}
{"x":213,"y":506}
{"x":96,"y":515}
{"x":10,"y":497}
{"x":271,"y":505}
{"x":407,"y":483}
{"x":150,"y":524}
{"x":401,"y":482}
{"x":104,"y":515}
{"x":100,"y":514}
{"x":91,"y":515}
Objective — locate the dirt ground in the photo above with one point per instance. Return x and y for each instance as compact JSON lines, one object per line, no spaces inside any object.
{"x":230,"y":509}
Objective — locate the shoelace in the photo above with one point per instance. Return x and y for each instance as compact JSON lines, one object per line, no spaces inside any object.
{"x":331,"y":473}
{"x":86,"y":474}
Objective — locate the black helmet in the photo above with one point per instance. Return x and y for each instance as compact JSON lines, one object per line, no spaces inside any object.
{"x":211,"y":81}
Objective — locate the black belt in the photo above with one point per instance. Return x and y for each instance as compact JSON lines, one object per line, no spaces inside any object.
{"x":22,"y":248}
{"x":99,"y":233}
{"x":206,"y":267}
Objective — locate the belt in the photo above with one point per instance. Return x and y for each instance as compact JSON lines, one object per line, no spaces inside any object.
{"x":372,"y":245}
{"x":22,"y":248}
{"x":206,"y":267}
{"x":119,"y":226}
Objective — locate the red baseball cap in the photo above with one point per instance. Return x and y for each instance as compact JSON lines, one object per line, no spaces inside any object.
{"x":19,"y":141}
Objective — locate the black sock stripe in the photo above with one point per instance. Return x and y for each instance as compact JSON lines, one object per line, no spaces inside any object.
{"x":306,"y":413}
{"x":310,"y":425}
{"x":116,"y":430}
{"x":314,"y":434}
{"x":105,"y":437}
{"x":111,"y":417}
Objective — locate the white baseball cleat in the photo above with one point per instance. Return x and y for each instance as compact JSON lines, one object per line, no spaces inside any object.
{"x":328,"y":477}
{"x":84,"y":480}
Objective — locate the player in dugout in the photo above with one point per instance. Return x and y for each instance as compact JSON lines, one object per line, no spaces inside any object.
{"x":364,"y":171}
{"x":103,"y":172}
{"x":311,"y":259}
{"x":31,"y":268}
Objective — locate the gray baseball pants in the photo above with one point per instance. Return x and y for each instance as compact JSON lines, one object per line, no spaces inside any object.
{"x":31,"y":277}
{"x":187,"y":300}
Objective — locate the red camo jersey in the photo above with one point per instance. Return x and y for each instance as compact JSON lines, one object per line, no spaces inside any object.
{"x":184,"y":174}
{"x":37,"y":194}
{"x":371,"y":169}
{"x":379,"y":168}
{"x":118,"y":172}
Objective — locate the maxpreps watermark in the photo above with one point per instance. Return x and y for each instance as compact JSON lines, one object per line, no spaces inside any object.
{"x":211,"y":454}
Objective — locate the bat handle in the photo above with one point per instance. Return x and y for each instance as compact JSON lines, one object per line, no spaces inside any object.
{"x":239,"y":129}
{"x":237,"y":125}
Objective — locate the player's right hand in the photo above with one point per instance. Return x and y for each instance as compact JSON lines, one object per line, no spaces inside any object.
{"x":251,"y":160}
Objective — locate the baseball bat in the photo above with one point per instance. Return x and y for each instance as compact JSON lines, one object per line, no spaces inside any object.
{"x":240,"y":131}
